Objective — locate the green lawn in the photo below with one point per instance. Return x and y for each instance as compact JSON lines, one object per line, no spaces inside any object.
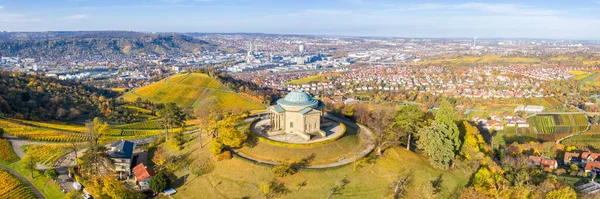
{"x":347,"y":146}
{"x":237,"y":177}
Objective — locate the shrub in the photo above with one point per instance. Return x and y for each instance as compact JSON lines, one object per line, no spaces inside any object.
{"x":284,"y":169}
{"x":226,"y":155}
{"x":216,"y":147}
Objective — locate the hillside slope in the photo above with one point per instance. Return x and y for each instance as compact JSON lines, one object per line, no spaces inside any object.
{"x":191,"y":90}
{"x":99,"y":43}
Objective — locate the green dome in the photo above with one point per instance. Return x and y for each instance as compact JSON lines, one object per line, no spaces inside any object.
{"x":297,"y":98}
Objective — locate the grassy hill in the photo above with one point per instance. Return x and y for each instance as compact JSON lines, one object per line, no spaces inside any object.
{"x":238,"y":178}
{"x":191,"y":90}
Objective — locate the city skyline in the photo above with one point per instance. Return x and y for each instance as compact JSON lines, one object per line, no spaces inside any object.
{"x":380,"y":18}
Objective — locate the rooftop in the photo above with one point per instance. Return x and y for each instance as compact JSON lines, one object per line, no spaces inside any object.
{"x":297,"y":98}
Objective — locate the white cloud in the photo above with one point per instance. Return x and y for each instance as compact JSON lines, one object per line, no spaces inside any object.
{"x":75,"y":17}
{"x":1,"y":6}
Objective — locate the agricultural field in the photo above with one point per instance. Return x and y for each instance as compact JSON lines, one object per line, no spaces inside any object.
{"x":53,"y":126}
{"x":26,"y":131}
{"x":38,"y":134}
{"x":228,"y":100}
{"x":578,"y":72}
{"x":592,"y":79}
{"x":311,"y":79}
{"x":543,"y":124}
{"x":48,"y":154}
{"x":11,"y":187}
{"x":590,"y":138}
{"x":558,"y":123}
{"x":148,"y":124}
{"x":7,"y":155}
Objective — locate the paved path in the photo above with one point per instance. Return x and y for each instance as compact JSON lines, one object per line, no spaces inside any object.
{"x":345,"y":161}
{"x":35,"y":191}
{"x":17,"y":143}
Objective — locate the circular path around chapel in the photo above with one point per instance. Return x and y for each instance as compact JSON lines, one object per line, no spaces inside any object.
{"x":355,"y":143}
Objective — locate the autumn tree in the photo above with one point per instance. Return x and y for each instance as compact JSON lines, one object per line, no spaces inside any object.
{"x":563,"y":193}
{"x":95,"y":156}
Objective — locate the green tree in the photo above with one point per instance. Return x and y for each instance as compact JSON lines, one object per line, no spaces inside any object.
{"x":29,"y":163}
{"x":409,"y":119}
{"x":171,"y":116}
{"x":159,"y":182}
{"x":51,"y":173}
{"x":441,"y":140}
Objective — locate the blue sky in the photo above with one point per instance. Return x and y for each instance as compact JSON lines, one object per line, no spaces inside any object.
{"x":560,"y":19}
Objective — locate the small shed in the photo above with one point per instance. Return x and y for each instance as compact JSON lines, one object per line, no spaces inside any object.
{"x":77,"y":186}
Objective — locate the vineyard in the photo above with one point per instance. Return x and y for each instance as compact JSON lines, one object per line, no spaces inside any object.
{"x":48,"y":154}
{"x":148,"y":124}
{"x":559,"y":123}
{"x":191,"y":90}
{"x":22,"y":130}
{"x":588,"y":139}
{"x":13,"y":188}
{"x":38,"y":134}
{"x":7,"y":155}
{"x":543,"y":124}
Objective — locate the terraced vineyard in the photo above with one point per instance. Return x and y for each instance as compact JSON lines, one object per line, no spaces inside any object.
{"x":191,"y":90}
{"x":11,"y":187}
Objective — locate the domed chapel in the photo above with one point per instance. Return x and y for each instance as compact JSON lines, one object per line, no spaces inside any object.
{"x":297,"y":113}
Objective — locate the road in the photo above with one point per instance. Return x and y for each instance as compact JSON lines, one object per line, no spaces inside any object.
{"x":345,"y":161}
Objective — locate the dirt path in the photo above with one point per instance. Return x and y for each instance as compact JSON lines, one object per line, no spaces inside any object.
{"x":35,"y":191}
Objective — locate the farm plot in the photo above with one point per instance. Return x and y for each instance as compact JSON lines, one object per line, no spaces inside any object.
{"x":48,"y":154}
{"x":11,"y":187}
{"x":543,"y":124}
{"x":38,"y":134}
{"x":7,"y":155}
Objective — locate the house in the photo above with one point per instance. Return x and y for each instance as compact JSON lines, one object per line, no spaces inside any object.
{"x":572,"y":158}
{"x":589,"y":157}
{"x":592,"y":166}
{"x":121,"y":153}
{"x":543,"y":161}
{"x":142,"y":175}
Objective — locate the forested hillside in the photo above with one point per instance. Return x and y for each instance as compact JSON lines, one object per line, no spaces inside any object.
{"x":36,"y":97}
{"x":103,"y":43}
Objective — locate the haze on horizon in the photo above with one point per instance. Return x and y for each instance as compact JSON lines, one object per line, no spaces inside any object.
{"x":552,"y":19}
